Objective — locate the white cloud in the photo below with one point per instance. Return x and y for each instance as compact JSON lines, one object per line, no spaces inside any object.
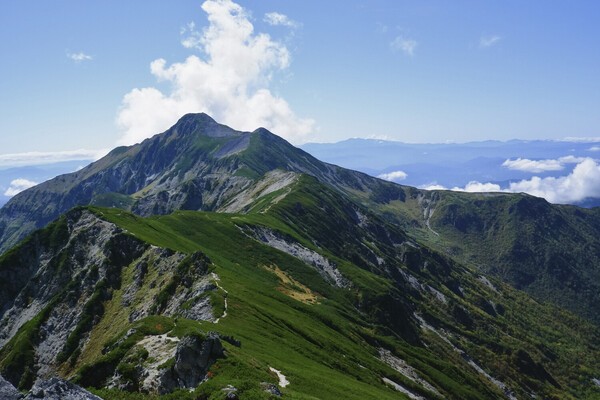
{"x":18,"y":185}
{"x":433,"y":186}
{"x":79,"y":57}
{"x":582,"y":183}
{"x":489,"y":41}
{"x":277,"y":19}
{"x":404,"y":44}
{"x":231,"y":82}
{"x":49,"y":157}
{"x":393,"y":176}
{"x":594,"y":148}
{"x":476,"y":187}
{"x":576,"y":139}
{"x":191,"y":38}
{"x":537,"y":166}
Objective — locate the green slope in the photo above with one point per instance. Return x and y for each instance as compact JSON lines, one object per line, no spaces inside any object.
{"x":523,"y":343}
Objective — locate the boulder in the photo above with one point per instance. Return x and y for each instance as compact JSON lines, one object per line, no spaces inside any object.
{"x":193,"y":358}
{"x":8,"y":391}
{"x":58,"y":389}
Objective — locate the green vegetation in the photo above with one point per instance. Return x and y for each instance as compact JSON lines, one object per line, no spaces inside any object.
{"x":410,"y":263}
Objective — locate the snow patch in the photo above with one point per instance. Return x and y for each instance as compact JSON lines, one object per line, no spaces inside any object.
{"x":283,"y":382}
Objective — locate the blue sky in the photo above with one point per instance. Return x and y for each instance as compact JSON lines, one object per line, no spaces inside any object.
{"x":416,"y":71}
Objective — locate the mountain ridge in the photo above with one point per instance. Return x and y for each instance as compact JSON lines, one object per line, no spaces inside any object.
{"x":343,"y":284}
{"x":199,"y":164}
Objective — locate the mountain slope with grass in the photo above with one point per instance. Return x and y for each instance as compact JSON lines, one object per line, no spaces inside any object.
{"x":550,"y":251}
{"x":206,"y":262}
{"x":308,"y":288}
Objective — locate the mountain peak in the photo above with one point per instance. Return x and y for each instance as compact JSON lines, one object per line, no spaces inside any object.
{"x":202,"y":124}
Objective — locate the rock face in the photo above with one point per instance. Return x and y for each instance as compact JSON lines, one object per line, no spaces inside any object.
{"x":193,"y":358}
{"x":59,"y":389}
{"x":8,"y":391}
{"x":53,"y":288}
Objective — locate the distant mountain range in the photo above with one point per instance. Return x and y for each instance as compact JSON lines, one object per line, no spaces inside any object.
{"x":455,"y":165}
{"x":206,"y":262}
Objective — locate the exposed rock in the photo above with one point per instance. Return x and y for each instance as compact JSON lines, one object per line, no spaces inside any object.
{"x":271,"y":389}
{"x":193,"y":358}
{"x":8,"y":391}
{"x":59,"y":389}
{"x":327,"y":269}
{"x":230,"y":392}
{"x":402,"y":389}
{"x":402,"y":367}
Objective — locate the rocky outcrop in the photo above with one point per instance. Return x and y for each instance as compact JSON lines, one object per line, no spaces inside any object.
{"x":59,"y":389}
{"x":8,"y":391}
{"x":193,"y":358}
{"x":75,"y":267}
{"x":326,"y":268}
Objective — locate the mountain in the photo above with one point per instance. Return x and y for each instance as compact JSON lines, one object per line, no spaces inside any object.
{"x":206,"y":262}
{"x":457,"y":164}
{"x":550,"y":251}
{"x":123,"y":304}
{"x":197,"y":164}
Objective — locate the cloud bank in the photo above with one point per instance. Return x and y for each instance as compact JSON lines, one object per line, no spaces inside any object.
{"x":49,"y":157}
{"x":393,"y":176}
{"x":582,"y":183}
{"x":537,"y":166}
{"x":230,"y":82}
{"x":18,"y":185}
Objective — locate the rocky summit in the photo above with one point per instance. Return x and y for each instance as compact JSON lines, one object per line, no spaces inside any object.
{"x":207,"y":263}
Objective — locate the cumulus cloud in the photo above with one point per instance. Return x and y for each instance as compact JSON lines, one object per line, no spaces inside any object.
{"x":277,"y":19}
{"x":190,"y":37}
{"x":582,"y":183}
{"x":477,"y":187}
{"x":489,"y":41}
{"x":594,"y":148}
{"x":18,"y":185}
{"x":230,"y":82}
{"x":79,"y":57}
{"x":393,"y":176}
{"x":404,"y":44}
{"x":49,"y":157}
{"x":537,"y":166}
{"x":433,"y":186}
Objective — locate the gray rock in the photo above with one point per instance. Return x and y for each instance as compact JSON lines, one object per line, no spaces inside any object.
{"x":59,"y":389}
{"x":271,"y":389}
{"x":193,"y":358}
{"x":8,"y":391}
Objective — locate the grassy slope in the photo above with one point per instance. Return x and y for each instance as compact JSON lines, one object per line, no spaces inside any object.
{"x":321,"y":347}
{"x":309,"y":343}
{"x":274,"y":329}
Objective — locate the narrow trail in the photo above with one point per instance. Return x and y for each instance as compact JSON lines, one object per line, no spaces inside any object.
{"x":217,"y":279}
